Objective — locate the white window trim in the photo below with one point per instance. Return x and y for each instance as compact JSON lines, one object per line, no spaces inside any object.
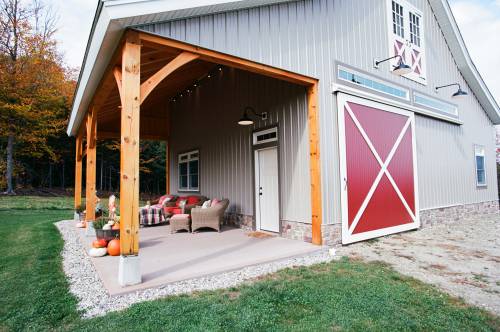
{"x":263,"y":132}
{"x":407,"y":8}
{"x":189,"y":158}
{"x":480,"y":154}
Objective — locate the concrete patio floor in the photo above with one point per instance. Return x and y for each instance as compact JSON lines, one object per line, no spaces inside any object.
{"x":167,"y":258}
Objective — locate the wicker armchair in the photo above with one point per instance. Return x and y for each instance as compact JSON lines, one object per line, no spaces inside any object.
{"x":211,"y":217}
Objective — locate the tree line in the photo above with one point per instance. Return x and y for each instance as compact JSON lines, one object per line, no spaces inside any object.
{"x":36,"y":94}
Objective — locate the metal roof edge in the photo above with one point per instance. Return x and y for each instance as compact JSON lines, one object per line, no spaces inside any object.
{"x":466,"y":66}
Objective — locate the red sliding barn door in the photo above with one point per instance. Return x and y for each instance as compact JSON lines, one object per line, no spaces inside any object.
{"x":378,"y":169}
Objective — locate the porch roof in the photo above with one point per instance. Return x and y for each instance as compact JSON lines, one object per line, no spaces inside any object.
{"x":156,"y":53}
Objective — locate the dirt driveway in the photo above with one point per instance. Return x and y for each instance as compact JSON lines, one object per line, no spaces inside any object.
{"x":462,"y":258}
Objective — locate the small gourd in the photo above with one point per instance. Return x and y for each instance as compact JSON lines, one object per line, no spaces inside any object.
{"x":106,"y":227}
{"x":98,"y":252}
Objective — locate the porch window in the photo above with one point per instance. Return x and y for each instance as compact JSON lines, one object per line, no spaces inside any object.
{"x":480,"y":165}
{"x":189,"y":174}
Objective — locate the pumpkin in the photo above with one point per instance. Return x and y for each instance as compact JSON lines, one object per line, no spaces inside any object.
{"x":106,"y":227}
{"x":99,"y":243}
{"x":114,"y":247}
{"x":80,"y":225}
{"x":98,"y":252}
{"x":116,"y":226}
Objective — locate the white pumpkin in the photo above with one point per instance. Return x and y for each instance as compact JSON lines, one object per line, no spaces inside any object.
{"x":80,"y":225}
{"x":106,"y":227}
{"x":98,"y":252}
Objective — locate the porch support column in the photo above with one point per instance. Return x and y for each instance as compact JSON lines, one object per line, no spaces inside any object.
{"x":315,"y":163}
{"x":90,"y":196}
{"x":129,"y":269}
{"x":78,"y":171}
{"x":167,"y":166}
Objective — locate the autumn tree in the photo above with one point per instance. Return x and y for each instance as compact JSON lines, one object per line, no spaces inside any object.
{"x":35,"y":87}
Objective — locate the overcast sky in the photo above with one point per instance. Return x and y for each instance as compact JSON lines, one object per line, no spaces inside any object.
{"x":479,"y":22}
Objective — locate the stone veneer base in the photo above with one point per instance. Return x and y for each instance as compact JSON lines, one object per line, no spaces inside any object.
{"x":332,"y":234}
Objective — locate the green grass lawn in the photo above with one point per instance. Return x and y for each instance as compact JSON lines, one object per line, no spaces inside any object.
{"x":345,"y":295}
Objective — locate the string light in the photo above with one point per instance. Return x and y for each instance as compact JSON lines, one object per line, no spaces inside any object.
{"x":195,"y":84}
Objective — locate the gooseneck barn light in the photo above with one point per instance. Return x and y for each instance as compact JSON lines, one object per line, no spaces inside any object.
{"x":458,"y":94}
{"x":401,"y":69}
{"x":246,"y":120}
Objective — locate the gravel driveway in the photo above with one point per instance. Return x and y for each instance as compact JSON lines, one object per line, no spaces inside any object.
{"x":462,"y":258}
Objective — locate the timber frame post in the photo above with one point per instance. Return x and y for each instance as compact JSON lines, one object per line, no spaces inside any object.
{"x":315,"y":162}
{"x":78,"y":170}
{"x":90,"y":194}
{"x":130,"y":90}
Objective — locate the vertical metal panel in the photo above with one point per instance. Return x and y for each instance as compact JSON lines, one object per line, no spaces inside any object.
{"x":308,"y":36}
{"x":206,"y":119}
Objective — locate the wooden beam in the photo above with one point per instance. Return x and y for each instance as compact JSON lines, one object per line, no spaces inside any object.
{"x":90,"y":194}
{"x":229,"y":60}
{"x":315,"y":163}
{"x":78,"y":170}
{"x":117,"y":72}
{"x":129,"y":152}
{"x":148,"y":86}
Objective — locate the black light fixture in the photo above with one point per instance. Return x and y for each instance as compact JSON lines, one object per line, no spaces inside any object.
{"x":401,"y":69}
{"x":458,"y":94}
{"x":246,"y":120}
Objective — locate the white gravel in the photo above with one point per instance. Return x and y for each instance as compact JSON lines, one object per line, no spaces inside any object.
{"x":94,"y":300}
{"x":461,"y":257}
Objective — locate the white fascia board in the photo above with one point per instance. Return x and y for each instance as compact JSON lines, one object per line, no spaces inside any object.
{"x":461,"y":55}
{"x":80,"y":101}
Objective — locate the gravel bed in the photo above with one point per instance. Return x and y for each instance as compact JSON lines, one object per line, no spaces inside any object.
{"x":94,"y":300}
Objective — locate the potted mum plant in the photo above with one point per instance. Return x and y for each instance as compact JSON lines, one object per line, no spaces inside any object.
{"x":80,"y":210}
{"x":107,"y":229}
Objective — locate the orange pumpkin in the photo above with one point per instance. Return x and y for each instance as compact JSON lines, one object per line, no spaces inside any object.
{"x":100,"y":243}
{"x":116,"y":226}
{"x":114,"y":247}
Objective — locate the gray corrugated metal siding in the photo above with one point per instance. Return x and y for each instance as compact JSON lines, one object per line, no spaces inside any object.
{"x":308,"y":36}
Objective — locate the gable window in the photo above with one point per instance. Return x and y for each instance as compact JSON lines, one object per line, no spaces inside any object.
{"x":414,"y":29}
{"x":189,"y":171}
{"x":406,"y":38}
{"x":398,"y":19}
{"x":480,"y":165}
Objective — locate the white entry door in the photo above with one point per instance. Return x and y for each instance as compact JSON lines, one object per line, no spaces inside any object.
{"x":267,"y":190}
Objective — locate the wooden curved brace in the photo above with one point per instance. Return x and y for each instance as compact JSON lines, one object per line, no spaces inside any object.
{"x":117,"y":73}
{"x":148,"y":86}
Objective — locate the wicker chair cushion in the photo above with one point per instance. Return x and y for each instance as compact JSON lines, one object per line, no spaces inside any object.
{"x":179,"y":216}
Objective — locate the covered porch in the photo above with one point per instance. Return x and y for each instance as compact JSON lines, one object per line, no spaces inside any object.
{"x":142,"y":95}
{"x":169,"y":258}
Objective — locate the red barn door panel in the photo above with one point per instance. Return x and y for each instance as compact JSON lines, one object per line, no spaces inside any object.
{"x":378,"y":167}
